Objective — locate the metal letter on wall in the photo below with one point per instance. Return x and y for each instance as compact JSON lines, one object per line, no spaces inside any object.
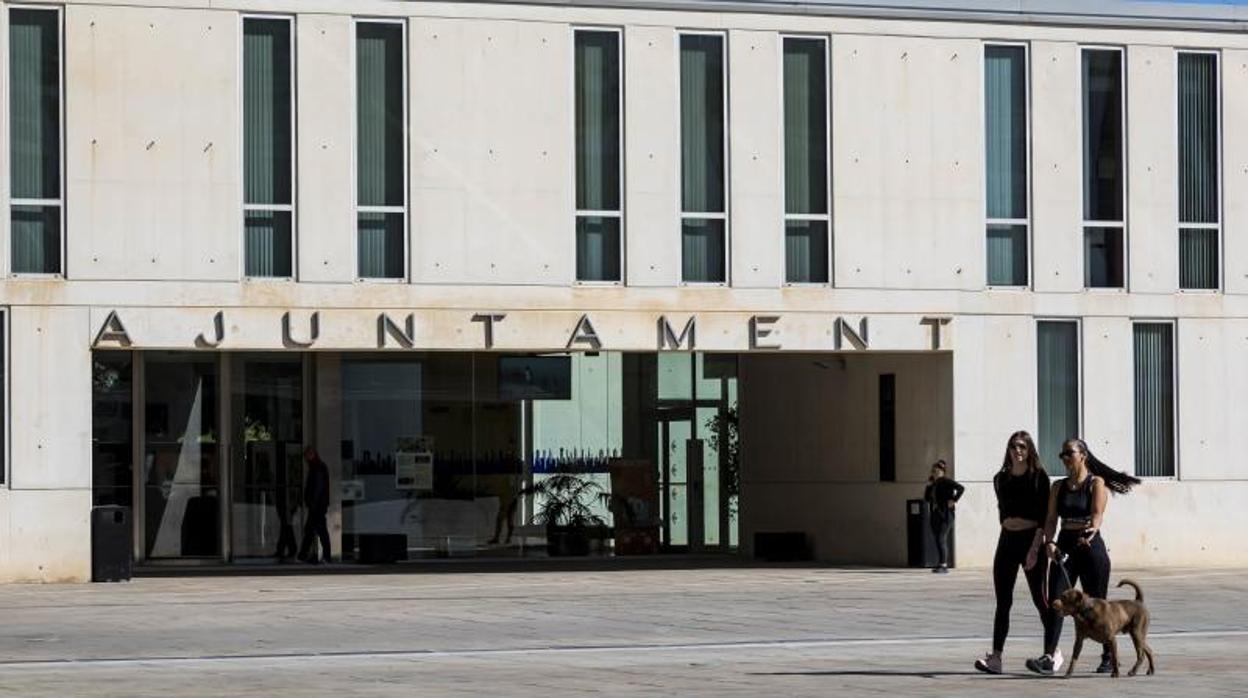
{"x":936,"y":323}
{"x":584,"y":333}
{"x":668,"y":339}
{"x":218,"y":333}
{"x":489,"y":319}
{"x":314,"y":332}
{"x":760,"y":329}
{"x":112,"y":331}
{"x":405,"y":336}
{"x":860,"y":339}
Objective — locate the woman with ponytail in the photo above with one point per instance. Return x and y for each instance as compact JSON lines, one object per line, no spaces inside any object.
{"x":1078,"y":553}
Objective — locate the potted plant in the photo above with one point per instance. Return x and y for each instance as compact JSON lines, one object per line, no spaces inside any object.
{"x":566,"y":508}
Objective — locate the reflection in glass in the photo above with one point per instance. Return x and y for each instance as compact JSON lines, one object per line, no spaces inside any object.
{"x":112,"y":420}
{"x":181,"y":463}
{"x":1103,"y":258}
{"x":268,"y":461}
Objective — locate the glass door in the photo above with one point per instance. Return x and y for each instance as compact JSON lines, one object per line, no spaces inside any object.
{"x":181,"y":456}
{"x":681,"y":469}
{"x":267,"y":412}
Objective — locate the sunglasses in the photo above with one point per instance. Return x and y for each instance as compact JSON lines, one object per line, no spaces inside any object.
{"x":1019,"y":447}
{"x":1066,"y":454}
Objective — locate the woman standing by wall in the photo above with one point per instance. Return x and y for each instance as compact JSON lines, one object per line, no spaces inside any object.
{"x":1022,"y":488}
{"x":1078,"y":552}
{"x":942,"y":494}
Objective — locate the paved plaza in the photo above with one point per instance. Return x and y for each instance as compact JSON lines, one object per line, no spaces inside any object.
{"x":717,"y":631}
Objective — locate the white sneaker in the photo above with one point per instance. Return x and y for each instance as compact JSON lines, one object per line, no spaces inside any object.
{"x":990,"y":664}
{"x":1057,"y":660}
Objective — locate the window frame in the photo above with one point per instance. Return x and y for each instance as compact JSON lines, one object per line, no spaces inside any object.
{"x":293,"y":206}
{"x":826,"y":218}
{"x":6,"y":405}
{"x":1121,"y":224}
{"x":59,"y":10}
{"x":1174,"y":395}
{"x":579,"y":213}
{"x":1079,"y":358}
{"x":725,"y":215}
{"x":405,"y":277}
{"x":1026,"y":222}
{"x":1219,"y":152}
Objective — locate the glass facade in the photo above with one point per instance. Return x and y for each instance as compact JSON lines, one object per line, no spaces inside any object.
{"x":181,"y":455}
{"x":448,"y":454}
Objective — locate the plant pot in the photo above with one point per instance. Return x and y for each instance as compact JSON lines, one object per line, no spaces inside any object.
{"x":567,"y":541}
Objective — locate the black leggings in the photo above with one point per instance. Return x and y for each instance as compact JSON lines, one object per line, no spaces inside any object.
{"x":1012,"y":548}
{"x":941,"y":523}
{"x":1087,"y":566}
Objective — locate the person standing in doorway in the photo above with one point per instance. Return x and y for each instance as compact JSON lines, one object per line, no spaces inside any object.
{"x":1078,"y":553}
{"x":316,"y":504}
{"x":1022,"y":488}
{"x":942,"y":495}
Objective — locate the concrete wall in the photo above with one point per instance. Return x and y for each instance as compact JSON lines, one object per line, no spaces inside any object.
{"x":809,"y":449}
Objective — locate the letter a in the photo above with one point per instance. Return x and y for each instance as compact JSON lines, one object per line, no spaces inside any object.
{"x":585,"y":334}
{"x":112,"y":331}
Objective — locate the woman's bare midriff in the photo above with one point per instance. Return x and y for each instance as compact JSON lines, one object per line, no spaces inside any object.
{"x":1017,"y":524}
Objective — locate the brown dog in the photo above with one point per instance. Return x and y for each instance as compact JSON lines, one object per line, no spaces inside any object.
{"x":1104,"y":620}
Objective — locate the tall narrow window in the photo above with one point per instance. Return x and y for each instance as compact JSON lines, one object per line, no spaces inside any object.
{"x":1154,"y":399}
{"x":381,"y":150}
{"x":268,"y":171}
{"x":704,"y":218}
{"x":805,"y":161}
{"x":598,"y":215}
{"x":1104,"y":201}
{"x":35,"y":215}
{"x":1057,"y":386}
{"x":1199,"y":214}
{"x":1005,"y":137}
{"x":888,"y":427}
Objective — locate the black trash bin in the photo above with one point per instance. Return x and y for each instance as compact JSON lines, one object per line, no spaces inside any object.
{"x":111,"y":552}
{"x":920,"y":543}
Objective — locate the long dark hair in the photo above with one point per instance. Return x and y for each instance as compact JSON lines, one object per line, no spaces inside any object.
{"x":1117,"y":481}
{"x":1034,"y":465}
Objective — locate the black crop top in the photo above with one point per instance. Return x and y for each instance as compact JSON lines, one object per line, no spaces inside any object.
{"x":1023,"y":496}
{"x":1076,"y":504}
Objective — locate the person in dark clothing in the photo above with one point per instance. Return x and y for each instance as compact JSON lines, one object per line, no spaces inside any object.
{"x":316,"y":503}
{"x":1022,"y":488}
{"x":942,"y":494}
{"x":1078,"y":553}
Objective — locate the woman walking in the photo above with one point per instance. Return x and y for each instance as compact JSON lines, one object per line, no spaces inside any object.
{"x":1078,"y":553}
{"x":1022,"y":488}
{"x":942,"y":495}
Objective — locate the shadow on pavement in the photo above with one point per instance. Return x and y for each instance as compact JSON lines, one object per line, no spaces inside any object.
{"x":916,"y":674}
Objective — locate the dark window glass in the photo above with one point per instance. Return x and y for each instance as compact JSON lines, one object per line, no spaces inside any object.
{"x":1102,"y":135}
{"x":35,"y":141}
{"x":112,"y":428}
{"x":1154,"y":399}
{"x":1057,"y":386}
{"x":267,"y":147}
{"x":888,"y":427}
